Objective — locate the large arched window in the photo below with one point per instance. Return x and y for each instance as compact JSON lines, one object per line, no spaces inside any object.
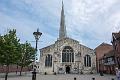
{"x":87,"y":61}
{"x":48,"y":61}
{"x":67,"y":54}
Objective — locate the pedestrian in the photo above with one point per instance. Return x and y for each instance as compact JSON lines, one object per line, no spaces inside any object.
{"x":118,"y":73}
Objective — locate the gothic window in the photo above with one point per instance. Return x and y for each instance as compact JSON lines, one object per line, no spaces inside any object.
{"x":67,"y":54}
{"x":87,"y":61}
{"x":48,"y":61}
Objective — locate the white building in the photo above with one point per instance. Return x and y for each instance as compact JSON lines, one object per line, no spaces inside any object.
{"x":66,"y":55}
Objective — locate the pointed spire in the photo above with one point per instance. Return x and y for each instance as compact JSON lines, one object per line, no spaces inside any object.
{"x":62,"y":31}
{"x":62,"y":5}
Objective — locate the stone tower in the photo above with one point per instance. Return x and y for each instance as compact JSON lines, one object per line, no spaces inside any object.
{"x":62,"y":30}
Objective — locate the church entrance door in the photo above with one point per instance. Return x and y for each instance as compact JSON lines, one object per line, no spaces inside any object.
{"x":67,"y":69}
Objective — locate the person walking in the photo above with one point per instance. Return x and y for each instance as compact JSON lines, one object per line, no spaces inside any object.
{"x":118,"y":73}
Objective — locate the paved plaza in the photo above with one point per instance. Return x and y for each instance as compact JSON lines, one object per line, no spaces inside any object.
{"x":28,"y":76}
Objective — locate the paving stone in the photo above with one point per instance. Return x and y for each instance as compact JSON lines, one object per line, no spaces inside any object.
{"x":62,"y":77}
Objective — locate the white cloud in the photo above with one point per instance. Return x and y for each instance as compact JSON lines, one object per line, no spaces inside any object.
{"x":83,"y":18}
{"x":38,"y":6}
{"x":114,"y":22}
{"x":91,"y":17}
{"x":85,"y":10}
{"x":25,"y":29}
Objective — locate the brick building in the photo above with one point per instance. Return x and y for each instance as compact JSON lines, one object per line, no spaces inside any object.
{"x":116,"y":46}
{"x":14,"y":68}
{"x":101,"y":50}
{"x":109,"y":62}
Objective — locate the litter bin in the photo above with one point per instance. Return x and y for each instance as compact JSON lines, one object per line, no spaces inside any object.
{"x":93,"y":78}
{"x":74,"y":78}
{"x":101,"y":73}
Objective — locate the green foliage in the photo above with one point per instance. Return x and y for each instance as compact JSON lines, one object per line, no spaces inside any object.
{"x":9,"y":50}
{"x":12,"y":52}
{"x":27,"y":54}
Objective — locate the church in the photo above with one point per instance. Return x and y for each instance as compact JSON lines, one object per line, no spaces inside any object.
{"x":66,"y":55}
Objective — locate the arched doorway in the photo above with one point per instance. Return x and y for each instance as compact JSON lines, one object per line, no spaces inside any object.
{"x":67,"y":69}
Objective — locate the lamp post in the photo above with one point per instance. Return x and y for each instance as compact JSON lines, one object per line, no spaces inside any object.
{"x":53,"y":67}
{"x":37,"y":36}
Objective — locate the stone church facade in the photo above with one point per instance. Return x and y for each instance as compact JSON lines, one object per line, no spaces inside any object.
{"x":66,"y":55}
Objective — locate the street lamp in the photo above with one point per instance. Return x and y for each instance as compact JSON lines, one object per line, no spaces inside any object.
{"x":37,"y":36}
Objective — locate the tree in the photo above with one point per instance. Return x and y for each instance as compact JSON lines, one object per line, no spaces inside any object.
{"x":9,"y":49}
{"x":27,"y":55}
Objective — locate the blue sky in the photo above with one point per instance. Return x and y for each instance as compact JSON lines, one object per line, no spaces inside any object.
{"x":89,"y":21}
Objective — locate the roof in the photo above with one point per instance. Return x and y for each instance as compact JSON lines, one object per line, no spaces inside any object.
{"x":116,"y":35}
{"x":103,"y":44}
{"x":52,"y":45}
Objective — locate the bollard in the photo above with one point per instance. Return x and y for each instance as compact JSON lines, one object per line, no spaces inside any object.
{"x":93,"y":78}
{"x":112,"y":79}
{"x":74,"y":78}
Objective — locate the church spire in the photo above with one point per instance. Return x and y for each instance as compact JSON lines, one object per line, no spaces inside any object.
{"x":62,"y":31}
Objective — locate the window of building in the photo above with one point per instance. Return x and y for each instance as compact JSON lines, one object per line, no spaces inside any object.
{"x":60,"y":69}
{"x":48,"y":61}
{"x":67,"y":54}
{"x":87,"y":61}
